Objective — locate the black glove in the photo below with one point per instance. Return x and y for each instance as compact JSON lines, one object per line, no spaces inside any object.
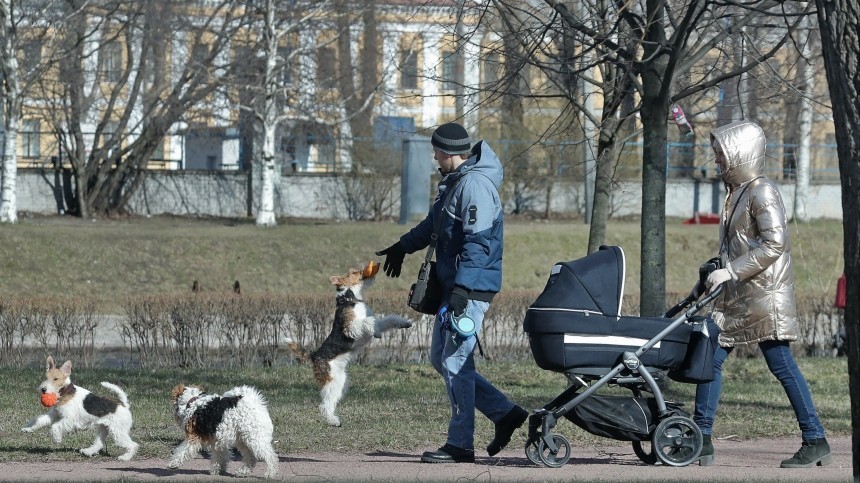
{"x":457,"y":302}
{"x":394,"y":256}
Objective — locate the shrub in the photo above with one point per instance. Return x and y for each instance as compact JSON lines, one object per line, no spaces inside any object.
{"x":212,"y":329}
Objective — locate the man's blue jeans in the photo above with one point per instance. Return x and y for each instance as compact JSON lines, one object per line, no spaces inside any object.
{"x":779,"y":360}
{"x":452,"y":357}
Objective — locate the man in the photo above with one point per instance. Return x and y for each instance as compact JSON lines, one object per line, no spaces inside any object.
{"x":758,"y":304}
{"x":469,"y":269}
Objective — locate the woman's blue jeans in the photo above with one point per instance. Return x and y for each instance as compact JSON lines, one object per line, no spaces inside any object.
{"x":781,"y":363}
{"x":452,"y":357}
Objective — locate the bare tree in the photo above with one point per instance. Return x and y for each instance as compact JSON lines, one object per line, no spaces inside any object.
{"x":127,"y":74}
{"x":839,"y":22}
{"x":298,"y":59}
{"x":645,"y":47}
{"x":272,"y":96}
{"x":24,"y":30}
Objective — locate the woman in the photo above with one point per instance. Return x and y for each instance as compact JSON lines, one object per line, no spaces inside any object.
{"x":757,"y":306}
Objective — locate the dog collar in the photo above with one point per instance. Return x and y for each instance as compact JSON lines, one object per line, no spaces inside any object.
{"x":193,"y":399}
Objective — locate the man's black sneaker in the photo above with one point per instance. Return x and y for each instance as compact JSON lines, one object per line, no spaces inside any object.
{"x":505,"y":429}
{"x":449,"y":454}
{"x":811,"y":453}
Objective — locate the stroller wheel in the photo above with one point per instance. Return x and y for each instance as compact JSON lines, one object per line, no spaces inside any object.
{"x":645,"y":451}
{"x":557,"y":458}
{"x":533,"y":452}
{"x":677,"y":441}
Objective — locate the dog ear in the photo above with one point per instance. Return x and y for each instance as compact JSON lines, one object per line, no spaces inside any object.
{"x":177,"y":391}
{"x":49,"y":363}
{"x":336,"y":280}
{"x":67,"y":368}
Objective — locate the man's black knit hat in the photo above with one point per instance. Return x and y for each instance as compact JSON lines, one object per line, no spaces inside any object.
{"x":451,"y":138}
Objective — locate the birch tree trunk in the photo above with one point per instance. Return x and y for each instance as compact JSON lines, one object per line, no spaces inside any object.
{"x":10,"y":94}
{"x":801,"y":191}
{"x":266,"y":212}
{"x":9,"y":201}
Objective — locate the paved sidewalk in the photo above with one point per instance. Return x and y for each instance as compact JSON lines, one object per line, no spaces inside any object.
{"x":755,"y":460}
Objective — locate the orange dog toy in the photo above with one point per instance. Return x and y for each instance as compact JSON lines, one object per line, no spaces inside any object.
{"x":370,"y":270}
{"x":48,"y":399}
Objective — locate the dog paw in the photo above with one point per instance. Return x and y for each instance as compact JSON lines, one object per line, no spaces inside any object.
{"x":125,"y":457}
{"x":89,"y":452}
{"x":334,"y":421}
{"x":243,"y":471}
{"x":27,"y":430}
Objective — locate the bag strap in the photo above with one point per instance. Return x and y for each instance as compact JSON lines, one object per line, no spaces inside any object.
{"x":725,"y":225}
{"x":437,"y":224}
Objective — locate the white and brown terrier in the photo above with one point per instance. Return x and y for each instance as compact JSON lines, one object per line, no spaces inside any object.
{"x":354,"y":327}
{"x":237,"y":419}
{"x":73,"y":408}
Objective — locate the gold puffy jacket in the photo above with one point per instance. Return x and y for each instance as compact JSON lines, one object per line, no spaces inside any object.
{"x":754,"y":244}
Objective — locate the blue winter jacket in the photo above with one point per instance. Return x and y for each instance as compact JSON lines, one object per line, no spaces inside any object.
{"x":469,"y":247}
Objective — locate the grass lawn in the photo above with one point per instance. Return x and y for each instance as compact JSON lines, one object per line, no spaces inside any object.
{"x":117,"y":258}
{"x":398,"y":407}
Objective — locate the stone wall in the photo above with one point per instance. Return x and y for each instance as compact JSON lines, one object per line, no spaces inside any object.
{"x":224,"y":194}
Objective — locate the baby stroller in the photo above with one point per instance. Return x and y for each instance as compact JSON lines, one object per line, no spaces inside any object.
{"x":575,"y":327}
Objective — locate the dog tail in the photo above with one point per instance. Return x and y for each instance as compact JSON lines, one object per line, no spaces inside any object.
{"x":300,"y":353}
{"x":118,"y":391}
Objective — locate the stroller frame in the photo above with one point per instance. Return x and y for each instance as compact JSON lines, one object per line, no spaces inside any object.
{"x":676,"y":439}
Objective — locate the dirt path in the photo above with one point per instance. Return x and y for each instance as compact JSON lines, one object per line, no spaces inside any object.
{"x":735,"y":461}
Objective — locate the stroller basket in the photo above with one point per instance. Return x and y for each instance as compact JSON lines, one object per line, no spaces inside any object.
{"x":576,"y":321}
{"x":624,"y":418}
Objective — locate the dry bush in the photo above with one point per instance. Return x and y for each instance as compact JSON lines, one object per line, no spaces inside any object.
{"x":502,"y":335}
{"x":224,"y":329}
{"x":14,"y":331}
{"x":63,"y":327}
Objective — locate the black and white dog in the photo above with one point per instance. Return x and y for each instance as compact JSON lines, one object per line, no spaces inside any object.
{"x":237,"y":419}
{"x":354,"y":327}
{"x":73,"y":408}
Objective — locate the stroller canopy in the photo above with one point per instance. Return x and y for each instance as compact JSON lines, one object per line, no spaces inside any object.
{"x":594,"y":283}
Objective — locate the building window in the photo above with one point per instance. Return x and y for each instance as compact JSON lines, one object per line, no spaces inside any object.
{"x":104,"y":140}
{"x":492,"y":67}
{"x":449,"y":71}
{"x":326,"y":68}
{"x":29,"y":135}
{"x":285,"y":64}
{"x":30,"y":55}
{"x":408,"y":69}
{"x":158,"y":153}
{"x":199,"y":58}
{"x":111,"y":62}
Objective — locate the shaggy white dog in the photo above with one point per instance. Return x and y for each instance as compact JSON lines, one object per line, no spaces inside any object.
{"x":237,"y":419}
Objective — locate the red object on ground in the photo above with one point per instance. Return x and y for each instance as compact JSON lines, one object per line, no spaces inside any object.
{"x":48,"y":399}
{"x":703,"y":219}
{"x":841,"y":294}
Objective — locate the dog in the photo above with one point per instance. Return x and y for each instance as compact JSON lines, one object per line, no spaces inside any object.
{"x":237,"y":419}
{"x":73,"y":408}
{"x":354,"y":327}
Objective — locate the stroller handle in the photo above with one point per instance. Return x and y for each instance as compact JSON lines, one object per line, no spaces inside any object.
{"x":682,"y":305}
